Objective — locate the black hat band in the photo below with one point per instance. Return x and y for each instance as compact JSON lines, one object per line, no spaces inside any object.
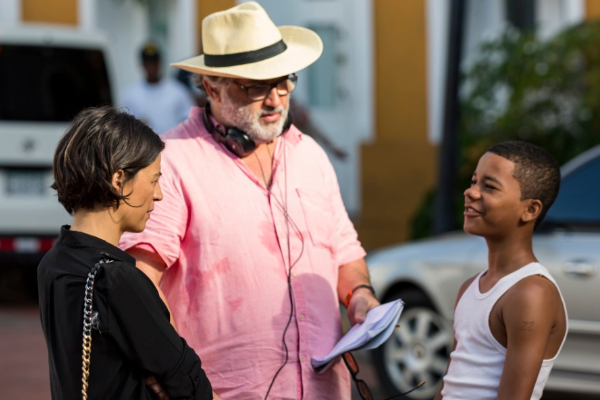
{"x":246,"y":57}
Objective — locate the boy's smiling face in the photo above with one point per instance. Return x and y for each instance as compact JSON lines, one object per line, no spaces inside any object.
{"x":493,"y":205}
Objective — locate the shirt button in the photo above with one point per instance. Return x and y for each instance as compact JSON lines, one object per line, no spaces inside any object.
{"x":293,"y":274}
{"x":301,"y":317}
{"x":303,"y":358}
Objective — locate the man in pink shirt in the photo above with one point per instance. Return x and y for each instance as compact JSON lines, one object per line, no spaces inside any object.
{"x":251,"y":247}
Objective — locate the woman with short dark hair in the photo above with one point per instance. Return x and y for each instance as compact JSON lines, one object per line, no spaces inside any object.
{"x":106,"y":171}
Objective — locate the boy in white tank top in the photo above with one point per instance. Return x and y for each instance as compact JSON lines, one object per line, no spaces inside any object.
{"x":510,"y":320}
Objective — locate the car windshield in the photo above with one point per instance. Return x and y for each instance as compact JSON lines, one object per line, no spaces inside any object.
{"x":46,"y":83}
{"x":578,"y":200}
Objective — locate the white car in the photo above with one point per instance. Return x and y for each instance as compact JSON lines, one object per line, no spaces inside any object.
{"x":427,"y":275}
{"x":47,"y":75}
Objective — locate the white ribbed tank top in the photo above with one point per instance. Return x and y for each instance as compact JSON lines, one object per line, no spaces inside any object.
{"x":478,"y":360}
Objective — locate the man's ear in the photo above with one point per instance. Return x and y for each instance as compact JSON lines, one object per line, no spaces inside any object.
{"x":534,"y":208}
{"x":212,"y":91}
{"x":117,"y":181}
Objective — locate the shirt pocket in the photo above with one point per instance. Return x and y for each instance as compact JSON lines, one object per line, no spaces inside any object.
{"x":319,"y":218}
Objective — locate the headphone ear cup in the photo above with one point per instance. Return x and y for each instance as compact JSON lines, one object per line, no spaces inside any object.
{"x":238,"y":142}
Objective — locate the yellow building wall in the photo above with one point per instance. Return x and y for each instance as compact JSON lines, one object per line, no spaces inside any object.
{"x":50,"y":11}
{"x":399,"y":166}
{"x":206,"y":7}
{"x":592,"y":9}
{"x":66,"y":11}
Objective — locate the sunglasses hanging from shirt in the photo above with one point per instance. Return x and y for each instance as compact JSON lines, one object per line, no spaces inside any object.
{"x":361,"y":386}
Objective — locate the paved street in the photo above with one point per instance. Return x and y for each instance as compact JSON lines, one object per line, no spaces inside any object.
{"x":23,"y":360}
{"x":24,"y":368}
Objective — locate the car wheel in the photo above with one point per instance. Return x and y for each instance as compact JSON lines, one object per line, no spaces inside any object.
{"x":418,"y":350}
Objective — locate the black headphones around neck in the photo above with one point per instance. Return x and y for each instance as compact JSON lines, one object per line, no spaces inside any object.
{"x":236,"y":140}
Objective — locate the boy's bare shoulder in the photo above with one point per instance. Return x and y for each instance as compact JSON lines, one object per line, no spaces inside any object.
{"x":531,"y":287}
{"x":532,"y":294}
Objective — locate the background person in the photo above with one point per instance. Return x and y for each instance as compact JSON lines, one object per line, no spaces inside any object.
{"x":160,"y":102}
{"x":510,"y":321}
{"x":252,"y":244}
{"x":106,"y":171}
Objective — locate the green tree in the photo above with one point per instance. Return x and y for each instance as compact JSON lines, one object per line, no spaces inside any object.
{"x":546,"y":92}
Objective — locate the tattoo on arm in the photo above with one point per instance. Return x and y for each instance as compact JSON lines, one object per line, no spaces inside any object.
{"x":527,"y":325}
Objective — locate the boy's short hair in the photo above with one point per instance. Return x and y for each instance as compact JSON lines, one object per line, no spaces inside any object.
{"x":537,"y":172}
{"x":99,"y":142}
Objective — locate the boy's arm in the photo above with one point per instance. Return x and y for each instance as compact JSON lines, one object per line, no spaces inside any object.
{"x":528,"y":313}
{"x":461,"y":291}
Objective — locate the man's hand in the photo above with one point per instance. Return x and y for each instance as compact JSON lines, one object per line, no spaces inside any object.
{"x":216,"y":396}
{"x":350,"y":276}
{"x":362,"y":301}
{"x":156,"y":388}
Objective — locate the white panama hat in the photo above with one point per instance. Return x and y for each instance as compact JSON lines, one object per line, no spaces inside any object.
{"x":243,"y":42}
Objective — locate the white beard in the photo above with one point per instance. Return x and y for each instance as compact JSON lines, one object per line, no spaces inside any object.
{"x":244,"y":118}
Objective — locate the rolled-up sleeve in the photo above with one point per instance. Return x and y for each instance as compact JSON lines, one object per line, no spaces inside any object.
{"x":138,"y":321}
{"x":168,"y":221}
{"x":347,"y":245}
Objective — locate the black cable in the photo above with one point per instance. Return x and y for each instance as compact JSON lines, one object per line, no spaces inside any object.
{"x":288,"y":221}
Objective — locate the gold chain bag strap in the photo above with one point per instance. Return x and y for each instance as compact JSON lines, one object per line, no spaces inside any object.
{"x":87,"y":325}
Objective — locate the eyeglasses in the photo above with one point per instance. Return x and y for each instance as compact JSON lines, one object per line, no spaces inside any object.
{"x":361,"y":386}
{"x":261,"y":91}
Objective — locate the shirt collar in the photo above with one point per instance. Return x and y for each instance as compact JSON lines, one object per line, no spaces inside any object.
{"x":293,"y":135}
{"x":71,"y":238}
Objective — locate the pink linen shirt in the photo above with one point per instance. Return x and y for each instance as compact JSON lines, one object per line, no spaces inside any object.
{"x":224,"y":238}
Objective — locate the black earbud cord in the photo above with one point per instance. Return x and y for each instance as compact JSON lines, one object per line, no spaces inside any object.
{"x":288,"y":221}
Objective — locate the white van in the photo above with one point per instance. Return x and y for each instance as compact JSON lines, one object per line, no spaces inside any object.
{"x":47,"y":75}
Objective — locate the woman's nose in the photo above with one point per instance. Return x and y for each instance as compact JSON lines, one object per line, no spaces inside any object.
{"x":158,"y":196}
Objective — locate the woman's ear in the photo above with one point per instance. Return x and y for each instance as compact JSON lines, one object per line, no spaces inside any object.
{"x":534,"y":208}
{"x":117,"y":181}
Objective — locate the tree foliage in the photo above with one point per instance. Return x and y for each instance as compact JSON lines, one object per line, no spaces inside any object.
{"x":546,"y":92}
